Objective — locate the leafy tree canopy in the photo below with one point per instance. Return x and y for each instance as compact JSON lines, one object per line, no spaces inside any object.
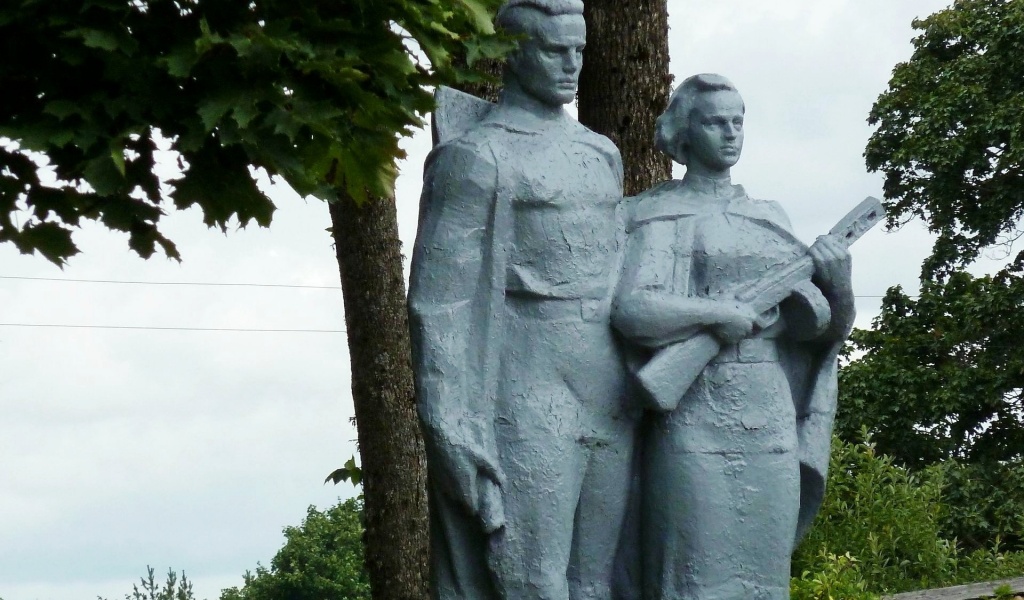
{"x":950,"y":130}
{"x":939,"y":378}
{"x":940,"y":382}
{"x":942,"y":375}
{"x":172,"y":589}
{"x":321,"y":558}
{"x":316,"y":92}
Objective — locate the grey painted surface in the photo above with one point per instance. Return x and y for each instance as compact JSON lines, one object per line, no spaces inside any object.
{"x":520,"y":381}
{"x":535,"y":288}
{"x":734,"y":469}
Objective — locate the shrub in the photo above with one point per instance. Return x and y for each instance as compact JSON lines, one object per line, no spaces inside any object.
{"x":988,"y":565}
{"x":838,"y":577}
{"x":884,"y":518}
{"x":882,"y":529}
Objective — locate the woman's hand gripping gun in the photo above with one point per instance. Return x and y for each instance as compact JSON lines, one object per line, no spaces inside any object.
{"x":674,"y":368}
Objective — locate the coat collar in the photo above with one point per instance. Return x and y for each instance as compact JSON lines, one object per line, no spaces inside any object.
{"x":676,"y":199}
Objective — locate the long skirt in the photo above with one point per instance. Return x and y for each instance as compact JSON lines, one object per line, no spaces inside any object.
{"x":721,"y":488}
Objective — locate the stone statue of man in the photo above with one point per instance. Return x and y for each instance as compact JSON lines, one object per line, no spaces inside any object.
{"x":520,"y":384}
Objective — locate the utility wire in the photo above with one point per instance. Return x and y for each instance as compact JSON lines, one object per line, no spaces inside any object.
{"x":195,"y":283}
{"x":141,"y":328}
{"x":213,"y":284}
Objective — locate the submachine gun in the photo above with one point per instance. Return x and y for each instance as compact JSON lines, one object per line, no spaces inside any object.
{"x":672,"y":370}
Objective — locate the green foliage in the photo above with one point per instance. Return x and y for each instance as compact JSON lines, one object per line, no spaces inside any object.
{"x":986,"y":503}
{"x":942,"y":376}
{"x":988,"y":565}
{"x":838,"y":577}
{"x":172,"y":589}
{"x":350,"y":472}
{"x":939,"y":382}
{"x":880,"y":531}
{"x":883,"y":516}
{"x":950,"y":129}
{"x":315,"y":92}
{"x":939,"y":379}
{"x":321,"y":558}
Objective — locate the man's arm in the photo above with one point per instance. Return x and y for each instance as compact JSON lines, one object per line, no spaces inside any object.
{"x":447,"y":291}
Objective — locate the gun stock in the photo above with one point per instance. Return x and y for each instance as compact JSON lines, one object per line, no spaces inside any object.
{"x":672,"y":371}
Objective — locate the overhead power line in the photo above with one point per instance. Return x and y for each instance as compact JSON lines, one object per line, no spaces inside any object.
{"x":182,"y":283}
{"x":226,"y":284}
{"x":144,"y":328}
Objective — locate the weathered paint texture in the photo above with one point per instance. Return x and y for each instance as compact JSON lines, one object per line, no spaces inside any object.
{"x":538,"y":292}
{"x":521,"y":384}
{"x":734,"y":469}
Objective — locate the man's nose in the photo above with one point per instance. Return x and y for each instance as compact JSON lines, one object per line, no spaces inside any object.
{"x":572,"y":62}
{"x":730,"y":131}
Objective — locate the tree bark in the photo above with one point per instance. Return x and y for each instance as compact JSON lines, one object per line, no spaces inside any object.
{"x":625,"y":83}
{"x":624,"y":87}
{"x":390,"y":443}
{"x":487,"y":90}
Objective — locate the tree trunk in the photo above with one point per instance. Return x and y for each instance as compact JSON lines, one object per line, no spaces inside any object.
{"x":487,"y":90}
{"x":624,"y":87}
{"x":625,"y":83}
{"x":390,"y":444}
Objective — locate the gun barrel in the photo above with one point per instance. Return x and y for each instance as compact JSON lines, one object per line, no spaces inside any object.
{"x":774,"y":286}
{"x":858,"y":221}
{"x":777,"y":284}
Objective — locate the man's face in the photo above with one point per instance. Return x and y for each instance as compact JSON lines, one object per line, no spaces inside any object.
{"x":547,"y":64}
{"x":715,"y":134}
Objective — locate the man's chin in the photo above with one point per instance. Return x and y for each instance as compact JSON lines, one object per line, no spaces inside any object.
{"x":562,"y":97}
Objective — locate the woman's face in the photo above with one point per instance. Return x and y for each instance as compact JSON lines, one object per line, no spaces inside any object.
{"x":715,"y":132}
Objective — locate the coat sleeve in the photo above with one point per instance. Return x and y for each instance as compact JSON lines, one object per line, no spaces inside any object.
{"x":448,"y":290}
{"x":653,"y":305}
{"x":646,"y":275}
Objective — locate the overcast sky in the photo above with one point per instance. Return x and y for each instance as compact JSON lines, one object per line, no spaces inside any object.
{"x":192,"y":449}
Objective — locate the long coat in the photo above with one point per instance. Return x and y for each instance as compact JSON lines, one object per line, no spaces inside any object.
{"x":811,"y":368}
{"x":456,"y":304}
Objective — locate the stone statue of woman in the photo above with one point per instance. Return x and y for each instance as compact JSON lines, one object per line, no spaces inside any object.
{"x":732,"y":474}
